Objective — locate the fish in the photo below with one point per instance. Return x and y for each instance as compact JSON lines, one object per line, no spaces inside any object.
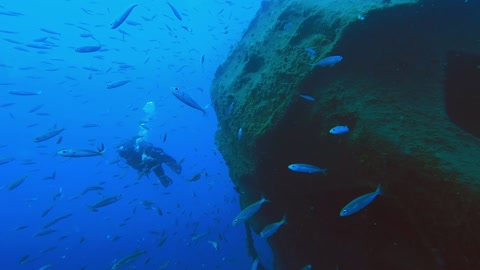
{"x":186,"y":99}
{"x":88,"y":49}
{"x":48,"y":135}
{"x":309,"y":98}
{"x":306,"y":168}
{"x":128,"y":259}
{"x":196,"y":177}
{"x":74,"y":153}
{"x":5,"y":160}
{"x":337,"y":130}
{"x":328,"y":61}
{"x":239,"y":134}
{"x":230,"y":108}
{"x":249,"y":211}
{"x":24,"y":93}
{"x":17,"y":182}
{"x":214,"y":244}
{"x":269,"y":230}
{"x":119,"y":20}
{"x":175,"y":12}
{"x":311,"y":52}
{"x":307,"y":267}
{"x":50,"y":31}
{"x":88,"y":189}
{"x":116,"y":84}
{"x":287,"y":26}
{"x":56,"y":220}
{"x":361,"y":202}
{"x":105,"y":202}
{"x":36,"y":108}
{"x":46,"y":211}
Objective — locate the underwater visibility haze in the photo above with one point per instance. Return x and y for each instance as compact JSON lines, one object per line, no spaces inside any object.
{"x":220,"y":134}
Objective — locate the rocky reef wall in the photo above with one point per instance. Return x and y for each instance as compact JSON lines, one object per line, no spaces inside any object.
{"x":389,"y":90}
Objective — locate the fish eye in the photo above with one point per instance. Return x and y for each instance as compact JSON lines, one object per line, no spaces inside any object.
{"x":344,"y":212}
{"x":235,"y":221}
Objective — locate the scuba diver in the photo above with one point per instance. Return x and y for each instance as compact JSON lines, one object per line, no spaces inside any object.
{"x":144,"y":157}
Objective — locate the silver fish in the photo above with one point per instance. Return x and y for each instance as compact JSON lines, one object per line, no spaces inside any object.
{"x":249,"y":211}
{"x":116,"y":84}
{"x":122,"y":17}
{"x":105,"y":202}
{"x":48,"y":135}
{"x":88,"y":49}
{"x":269,"y":230}
{"x":360,"y":202}
{"x":185,"y":98}
{"x":74,"y":153}
{"x":306,"y":168}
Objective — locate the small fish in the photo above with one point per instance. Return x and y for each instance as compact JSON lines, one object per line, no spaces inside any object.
{"x":287,"y":26}
{"x":17,"y":182}
{"x":307,"y":267}
{"x":337,"y":130}
{"x":269,"y":230}
{"x":188,"y":29}
{"x":196,"y":177}
{"x":50,"y":31}
{"x":214,"y":244}
{"x":81,"y":152}
{"x":239,"y":134}
{"x":309,"y":98}
{"x":329,"y":61}
{"x":116,"y":84}
{"x":56,"y":220}
{"x":128,"y":259}
{"x":5,"y":160}
{"x":186,"y":99}
{"x":24,"y":93}
{"x":230,"y":108}
{"x":306,"y":168}
{"x":175,"y":12}
{"x":360,"y":202}
{"x":105,"y":202}
{"x":36,"y":108}
{"x":249,"y":211}
{"x":88,"y":49}
{"x":311,"y":52}
{"x":117,"y":22}
{"x":48,"y":135}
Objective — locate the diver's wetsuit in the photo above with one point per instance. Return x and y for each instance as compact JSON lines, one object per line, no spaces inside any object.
{"x":144,"y":157}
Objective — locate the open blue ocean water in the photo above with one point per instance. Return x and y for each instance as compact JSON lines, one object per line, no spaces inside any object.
{"x":47,"y":83}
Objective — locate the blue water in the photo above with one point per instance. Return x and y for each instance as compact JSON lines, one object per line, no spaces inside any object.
{"x":73,"y":95}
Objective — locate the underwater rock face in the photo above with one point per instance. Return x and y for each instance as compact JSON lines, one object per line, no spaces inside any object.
{"x":389,"y":90}
{"x":462,"y":90}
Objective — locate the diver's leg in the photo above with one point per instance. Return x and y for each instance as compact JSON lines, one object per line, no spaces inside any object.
{"x":164,"y":180}
{"x":172,"y":163}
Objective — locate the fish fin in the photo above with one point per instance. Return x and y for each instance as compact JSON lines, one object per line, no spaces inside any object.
{"x":265,"y":199}
{"x":204,"y":109}
{"x":379,"y":189}
{"x":101,"y":150}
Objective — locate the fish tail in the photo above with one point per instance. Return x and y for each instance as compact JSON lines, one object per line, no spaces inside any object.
{"x":284,"y":219}
{"x":101,"y":150}
{"x":204,"y":109}
{"x":265,"y":199}
{"x":324,"y":172}
{"x":379,"y":189}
